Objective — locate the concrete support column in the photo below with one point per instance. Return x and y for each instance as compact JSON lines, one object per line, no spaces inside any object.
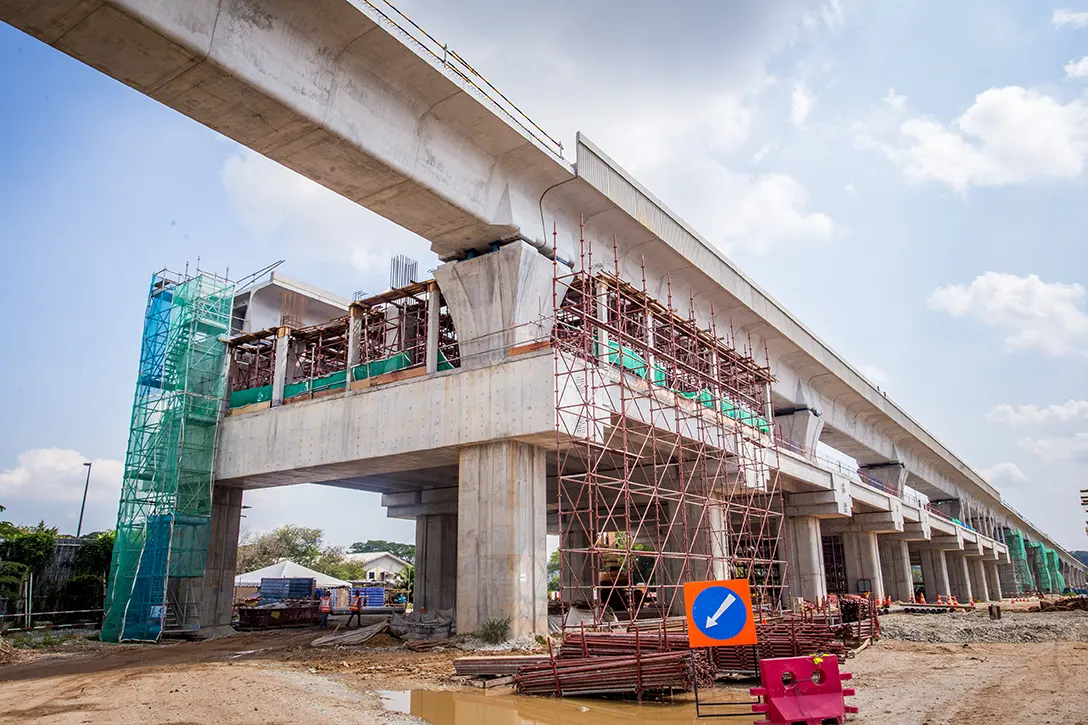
{"x":979,"y":586}
{"x":958,"y":576}
{"x":436,"y":564}
{"x":502,"y":552}
{"x":895,"y":569}
{"x":807,"y":577}
{"x":279,"y":372}
{"x":993,"y":581}
{"x":498,"y":300}
{"x":935,"y":574}
{"x":217,"y":595}
{"x":861,"y":556}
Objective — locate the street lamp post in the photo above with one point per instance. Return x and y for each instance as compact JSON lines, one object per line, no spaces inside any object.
{"x":86,"y":485}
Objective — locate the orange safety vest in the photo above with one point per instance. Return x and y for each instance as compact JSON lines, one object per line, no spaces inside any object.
{"x":357,"y":604}
{"x":326,"y":604}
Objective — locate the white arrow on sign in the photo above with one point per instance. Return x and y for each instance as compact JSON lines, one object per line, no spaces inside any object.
{"x":713,"y":621}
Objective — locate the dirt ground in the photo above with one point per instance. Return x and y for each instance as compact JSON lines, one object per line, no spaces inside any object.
{"x":276,"y":677}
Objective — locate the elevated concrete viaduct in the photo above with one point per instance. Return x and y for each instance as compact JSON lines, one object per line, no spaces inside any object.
{"x":338,"y":92}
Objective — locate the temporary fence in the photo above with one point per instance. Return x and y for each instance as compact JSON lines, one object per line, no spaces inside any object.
{"x":667,"y":468}
{"x":163,"y":521}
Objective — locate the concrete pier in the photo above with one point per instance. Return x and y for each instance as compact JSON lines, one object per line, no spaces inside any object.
{"x":436,"y":564}
{"x":217,"y":597}
{"x":501,"y":537}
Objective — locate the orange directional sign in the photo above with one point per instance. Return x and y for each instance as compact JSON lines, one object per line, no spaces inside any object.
{"x":719,"y":613}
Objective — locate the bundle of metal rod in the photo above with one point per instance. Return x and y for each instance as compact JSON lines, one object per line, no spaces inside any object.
{"x":497,"y":665}
{"x":637,"y":675}
{"x":607,"y":644}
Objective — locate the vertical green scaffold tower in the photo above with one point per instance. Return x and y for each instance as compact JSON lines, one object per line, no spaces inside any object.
{"x":164,"y":518}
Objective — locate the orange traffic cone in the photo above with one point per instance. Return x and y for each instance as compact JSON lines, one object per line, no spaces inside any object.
{"x":922,"y":597}
{"x":954,"y":602}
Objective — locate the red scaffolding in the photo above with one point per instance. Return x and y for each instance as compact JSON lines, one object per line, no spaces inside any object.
{"x":667,"y":466}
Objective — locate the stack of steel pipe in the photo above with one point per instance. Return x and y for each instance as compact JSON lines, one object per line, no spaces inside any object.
{"x":496,"y":666}
{"x":638,"y":675}
{"x":608,"y":644}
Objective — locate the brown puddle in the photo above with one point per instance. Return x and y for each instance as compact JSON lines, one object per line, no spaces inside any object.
{"x":445,"y":707}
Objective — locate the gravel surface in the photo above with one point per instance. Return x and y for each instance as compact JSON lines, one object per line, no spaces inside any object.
{"x":976,"y":626}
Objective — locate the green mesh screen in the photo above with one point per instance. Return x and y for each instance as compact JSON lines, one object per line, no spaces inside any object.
{"x":1021,"y":569}
{"x":163,"y":520}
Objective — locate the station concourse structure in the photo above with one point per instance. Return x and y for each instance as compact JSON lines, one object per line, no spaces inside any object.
{"x":582,"y":364}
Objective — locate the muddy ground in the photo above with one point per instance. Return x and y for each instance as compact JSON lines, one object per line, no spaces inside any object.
{"x":276,"y":677}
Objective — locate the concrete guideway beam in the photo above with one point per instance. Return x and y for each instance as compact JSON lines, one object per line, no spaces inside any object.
{"x":502,"y":552}
{"x":881,"y":522}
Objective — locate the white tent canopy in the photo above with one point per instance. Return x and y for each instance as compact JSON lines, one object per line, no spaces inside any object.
{"x":286,"y":569}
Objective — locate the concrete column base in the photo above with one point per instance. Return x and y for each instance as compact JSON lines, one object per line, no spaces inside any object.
{"x":502,"y":552}
{"x":436,"y":564}
{"x":994,"y":580}
{"x":217,"y":595}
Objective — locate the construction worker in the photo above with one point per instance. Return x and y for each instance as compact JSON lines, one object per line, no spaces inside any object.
{"x":326,"y":608}
{"x":356,"y":608}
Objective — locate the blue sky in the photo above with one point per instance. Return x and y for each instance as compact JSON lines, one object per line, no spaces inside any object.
{"x":908,"y":179}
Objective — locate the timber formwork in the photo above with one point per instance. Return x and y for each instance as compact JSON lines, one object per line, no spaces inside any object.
{"x":667,"y":468}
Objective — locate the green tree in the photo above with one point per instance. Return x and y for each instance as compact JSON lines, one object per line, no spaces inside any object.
{"x":553,"y":571}
{"x":299,"y":544}
{"x":404,"y":551}
{"x":31,"y":546}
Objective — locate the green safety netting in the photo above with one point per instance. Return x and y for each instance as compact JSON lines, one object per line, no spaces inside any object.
{"x":628,"y":359}
{"x":163,"y":521}
{"x":1043,"y":578}
{"x":1025,"y":581}
{"x":400,"y":361}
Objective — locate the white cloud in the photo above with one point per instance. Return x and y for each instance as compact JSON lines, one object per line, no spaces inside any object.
{"x":801,"y":103}
{"x":1077,"y":68}
{"x":829,"y":14}
{"x":765,"y":210}
{"x":1009,"y":135}
{"x":874,"y":373}
{"x":1029,"y":414}
{"x":47,"y":484}
{"x":1059,"y":448}
{"x":896,"y":101}
{"x":1004,"y":471}
{"x":1073,"y":19}
{"x":284,"y":208}
{"x":1045,"y":315}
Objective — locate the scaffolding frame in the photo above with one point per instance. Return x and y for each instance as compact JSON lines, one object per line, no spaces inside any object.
{"x":667,"y":467}
{"x":164,"y":515}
